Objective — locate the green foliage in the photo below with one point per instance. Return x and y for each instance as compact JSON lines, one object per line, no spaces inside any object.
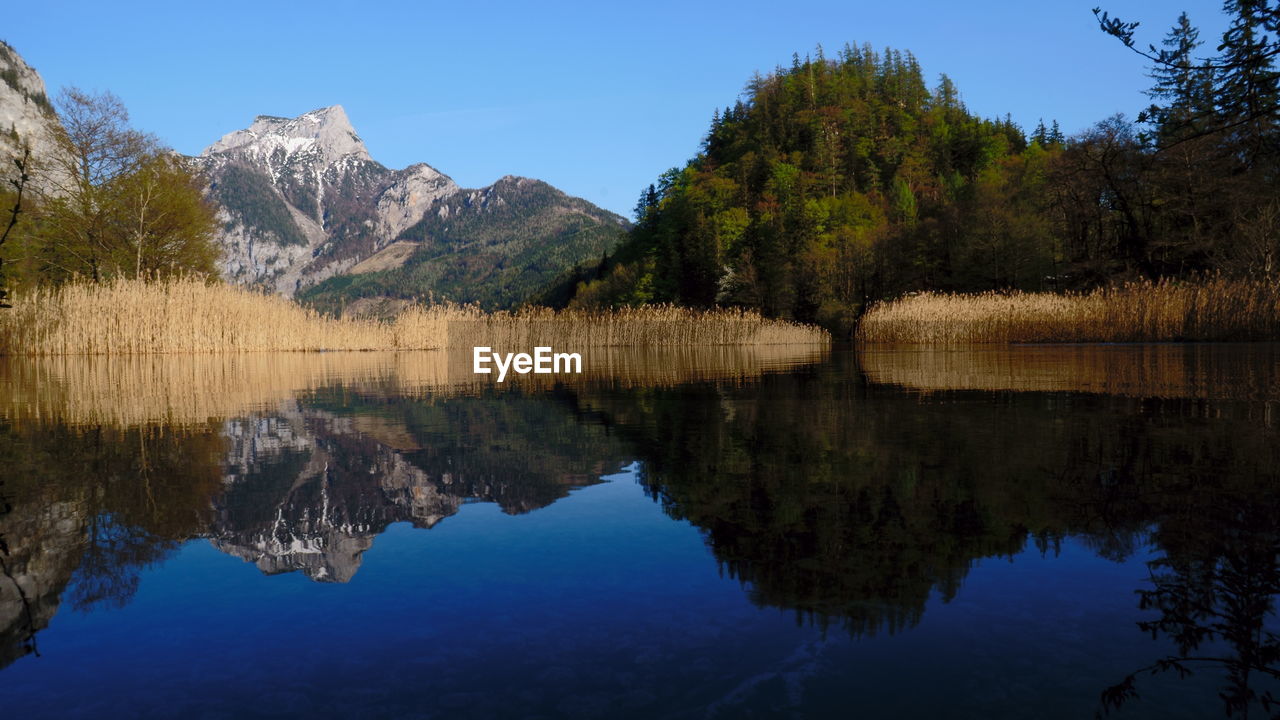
{"x":1193,"y":188}
{"x":117,"y":204}
{"x":834,"y":183}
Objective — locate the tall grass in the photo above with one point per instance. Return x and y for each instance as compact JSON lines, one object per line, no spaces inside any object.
{"x":188,"y":315}
{"x":1215,"y":308}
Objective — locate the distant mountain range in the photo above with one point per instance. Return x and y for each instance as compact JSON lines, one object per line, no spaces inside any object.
{"x":305,"y":211}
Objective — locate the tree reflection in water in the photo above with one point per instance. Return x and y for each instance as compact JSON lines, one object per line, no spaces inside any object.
{"x":1214,"y":593}
{"x":852,"y":504}
{"x":92,"y":507}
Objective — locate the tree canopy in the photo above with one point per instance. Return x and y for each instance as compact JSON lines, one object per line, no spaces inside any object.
{"x":109,"y":201}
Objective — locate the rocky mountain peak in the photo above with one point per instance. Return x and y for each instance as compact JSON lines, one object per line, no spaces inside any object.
{"x":325,"y":135}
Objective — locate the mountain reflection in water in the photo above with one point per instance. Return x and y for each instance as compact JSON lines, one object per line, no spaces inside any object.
{"x":855,"y":492}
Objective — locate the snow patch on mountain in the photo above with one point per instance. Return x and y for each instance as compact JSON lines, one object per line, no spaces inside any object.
{"x":321,"y":137}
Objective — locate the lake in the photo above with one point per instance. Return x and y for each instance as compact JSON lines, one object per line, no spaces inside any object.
{"x":711,"y":533}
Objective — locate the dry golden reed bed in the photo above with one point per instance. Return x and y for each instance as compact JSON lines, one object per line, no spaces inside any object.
{"x":1215,"y":308}
{"x":189,"y":315}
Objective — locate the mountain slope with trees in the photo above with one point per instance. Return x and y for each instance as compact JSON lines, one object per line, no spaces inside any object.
{"x":835,"y":182}
{"x":493,"y":247}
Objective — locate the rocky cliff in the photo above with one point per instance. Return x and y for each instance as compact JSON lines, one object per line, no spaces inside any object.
{"x":26,"y":115}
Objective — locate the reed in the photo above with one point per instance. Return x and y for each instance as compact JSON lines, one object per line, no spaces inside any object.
{"x":130,"y":317}
{"x":1215,"y":308}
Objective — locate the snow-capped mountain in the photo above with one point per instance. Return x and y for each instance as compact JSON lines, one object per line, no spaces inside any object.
{"x":301,"y":200}
{"x":316,"y":139}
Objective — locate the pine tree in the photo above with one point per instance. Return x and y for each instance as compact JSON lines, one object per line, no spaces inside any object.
{"x":1248,"y":95}
{"x":1055,"y":135}
{"x":1183,"y":89}
{"x":1041,"y":135}
{"x":1242,"y":81}
{"x":946,"y":96}
{"x":647,"y":202}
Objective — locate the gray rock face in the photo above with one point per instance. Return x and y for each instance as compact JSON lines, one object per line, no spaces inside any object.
{"x":300,"y":199}
{"x":44,"y":541}
{"x":322,"y":137}
{"x":26,"y":117}
{"x":409,"y":195}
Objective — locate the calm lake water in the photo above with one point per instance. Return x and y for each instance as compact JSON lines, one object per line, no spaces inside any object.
{"x":725,"y":533}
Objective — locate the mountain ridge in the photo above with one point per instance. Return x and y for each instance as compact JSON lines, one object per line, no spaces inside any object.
{"x":302,"y":201}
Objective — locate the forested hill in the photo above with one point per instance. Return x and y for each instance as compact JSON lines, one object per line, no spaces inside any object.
{"x":840,"y":181}
{"x":834,"y":182}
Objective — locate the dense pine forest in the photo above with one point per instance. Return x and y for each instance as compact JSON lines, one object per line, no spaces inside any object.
{"x":836,"y":182}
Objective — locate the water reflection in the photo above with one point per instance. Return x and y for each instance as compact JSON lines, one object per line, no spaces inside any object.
{"x":1211,"y":371}
{"x":94,"y":505}
{"x":311,"y":487}
{"x":1213,"y":592}
{"x":111,"y":462}
{"x":177,"y":390}
{"x":827,"y":490}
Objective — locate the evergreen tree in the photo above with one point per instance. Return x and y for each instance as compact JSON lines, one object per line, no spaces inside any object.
{"x":1183,"y":86}
{"x":1241,"y":83}
{"x":1041,"y":134}
{"x":1248,"y":94}
{"x":1055,"y":135}
{"x":838,"y":182}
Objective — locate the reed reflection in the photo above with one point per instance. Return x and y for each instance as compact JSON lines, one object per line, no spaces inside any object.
{"x":1215,"y":371}
{"x":129,"y":390}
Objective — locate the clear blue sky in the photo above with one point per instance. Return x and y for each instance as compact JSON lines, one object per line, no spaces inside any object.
{"x":596,"y":98}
